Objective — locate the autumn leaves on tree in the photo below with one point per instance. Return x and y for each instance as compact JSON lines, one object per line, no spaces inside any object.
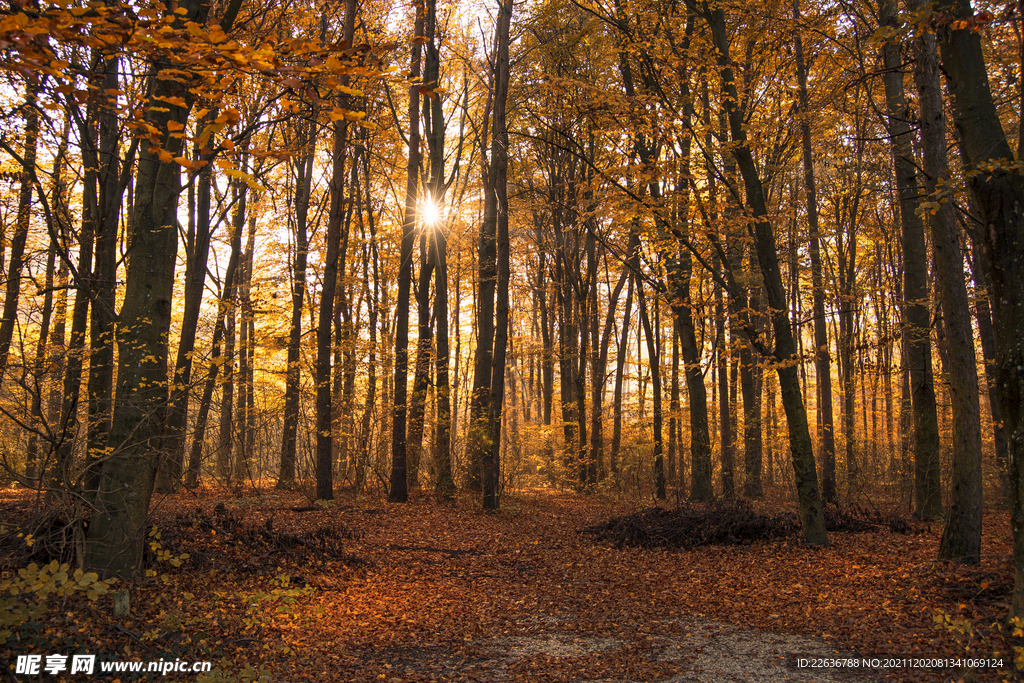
{"x":446,"y":246}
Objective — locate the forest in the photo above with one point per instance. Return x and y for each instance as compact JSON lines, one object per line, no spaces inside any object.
{"x":601,"y":261}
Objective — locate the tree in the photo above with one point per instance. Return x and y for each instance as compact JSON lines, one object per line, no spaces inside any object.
{"x":998,"y":189}
{"x":961,"y":538}
{"x":917,"y":344}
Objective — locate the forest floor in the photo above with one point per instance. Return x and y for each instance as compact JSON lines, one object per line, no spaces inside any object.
{"x":277,"y":589}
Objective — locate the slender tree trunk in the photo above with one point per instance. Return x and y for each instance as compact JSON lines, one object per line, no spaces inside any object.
{"x":217,"y":360}
{"x":751,"y":384}
{"x":333,"y":267}
{"x":293,"y":377}
{"x":170,"y":468}
{"x":17,"y":259}
{"x":812,"y":520}
{"x":620,"y":366}
{"x":424,"y":354}
{"x":654,"y":361}
{"x":674,"y":468}
{"x":726,"y":437}
{"x":67,"y":428}
{"x":822,"y":360}
{"x":986,"y":334}
{"x":242,"y":463}
{"x":928,"y":500}
{"x":39,"y":368}
{"x":399,"y":492}
{"x":226,"y":440}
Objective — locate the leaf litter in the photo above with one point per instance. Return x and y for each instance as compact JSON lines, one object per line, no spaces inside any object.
{"x":364,"y":590}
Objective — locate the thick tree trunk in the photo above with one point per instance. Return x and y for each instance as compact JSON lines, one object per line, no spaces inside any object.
{"x":961,"y":538}
{"x":115,"y":538}
{"x":1000,"y":199}
{"x":104,"y":277}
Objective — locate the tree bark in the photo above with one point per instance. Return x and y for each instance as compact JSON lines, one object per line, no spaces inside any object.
{"x":332,"y":269}
{"x":822,"y":360}
{"x":499,"y":170}
{"x":115,"y":538}
{"x":928,"y":500}
{"x":1000,"y":199}
{"x":399,"y":492}
{"x":961,"y":538}
{"x":17,"y":259}
{"x":293,"y":376}
{"x":812,"y":520}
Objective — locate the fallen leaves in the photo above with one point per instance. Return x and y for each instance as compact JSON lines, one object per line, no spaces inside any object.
{"x":375,"y":591}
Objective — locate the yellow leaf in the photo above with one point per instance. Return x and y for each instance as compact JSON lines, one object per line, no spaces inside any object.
{"x":176,"y":101}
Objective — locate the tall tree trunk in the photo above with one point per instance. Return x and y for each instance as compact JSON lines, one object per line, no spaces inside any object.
{"x":961,"y":538}
{"x":225,"y":307}
{"x":726,"y":437}
{"x":983,"y":314}
{"x":434,"y":125}
{"x":654,"y":360}
{"x":928,"y":499}
{"x":226,"y":438}
{"x":822,"y":360}
{"x":498,"y":174}
{"x":242,"y":463}
{"x":115,"y":538}
{"x":198,"y":253}
{"x":293,"y":376}
{"x":620,"y":367}
{"x":998,"y":194}
{"x":104,"y":276}
{"x":399,"y":492}
{"x":424,"y":353}
{"x":17,"y":259}
{"x":67,"y":428}
{"x":39,"y":369}
{"x":332,"y":269}
{"x":598,"y":373}
{"x":674,"y":468}
{"x":812,"y":520}
{"x":751,"y":383}
{"x":363,"y":456}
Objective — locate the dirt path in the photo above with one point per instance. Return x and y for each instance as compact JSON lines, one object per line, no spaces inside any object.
{"x":457,"y":595}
